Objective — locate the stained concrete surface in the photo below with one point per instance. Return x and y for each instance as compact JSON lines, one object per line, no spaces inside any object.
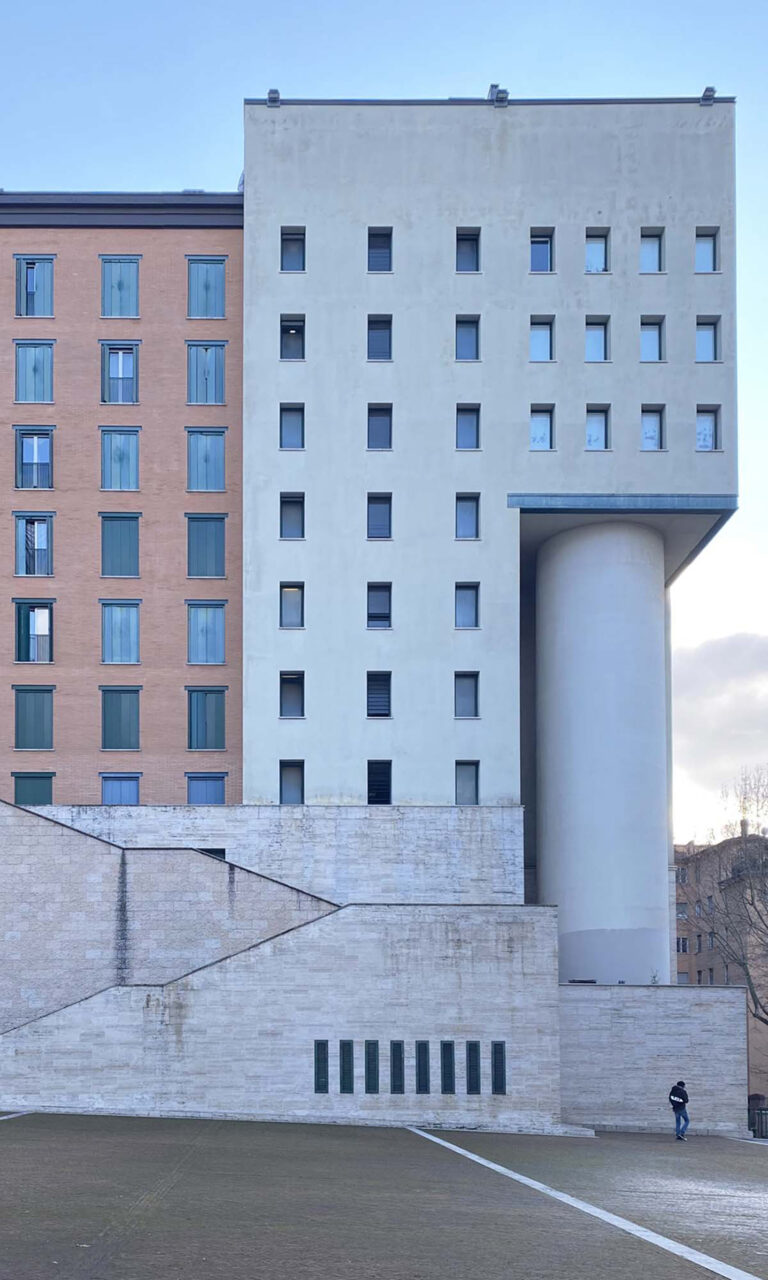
{"x":107,"y":1198}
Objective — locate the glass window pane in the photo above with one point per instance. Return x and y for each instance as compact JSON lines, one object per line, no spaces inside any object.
{"x":467,"y":340}
{"x":206,"y":720}
{"x":650,"y":341}
{"x":120,"y":375}
{"x":650,"y":428}
{"x":205,"y":788}
{"x":33,"y":546}
{"x":119,"y":287}
{"x":291,"y":605}
{"x":541,"y":429}
{"x":466,"y":782}
{"x":379,"y":250}
{"x":379,"y":426}
{"x":34,"y":372}
{"x":119,"y":546}
{"x":205,"y":546}
{"x":597,"y":429}
{"x":541,"y":253}
{"x":34,"y":632}
{"x":292,"y":338}
{"x":379,"y":516}
{"x":706,"y":342}
{"x":205,"y":461}
{"x":120,"y":632}
{"x":466,"y":606}
{"x":291,"y":782}
{"x":33,"y":788}
{"x":291,"y":695}
{"x":120,"y":789}
{"x":291,"y":427}
{"x":379,"y":338}
{"x":706,"y":248}
{"x":291,"y":515}
{"x":205,"y":368}
{"x":541,"y":341}
{"x":596,"y":342}
{"x":706,"y":430}
{"x":596,"y":257}
{"x":467,"y":517}
{"x":206,"y":288}
{"x":465,"y":695}
{"x":33,"y":460}
{"x":650,"y":253}
{"x":467,"y":251}
{"x":467,"y":428}
{"x":119,"y":459}
{"x":379,"y":605}
{"x":205,"y":633}
{"x":292,"y":251}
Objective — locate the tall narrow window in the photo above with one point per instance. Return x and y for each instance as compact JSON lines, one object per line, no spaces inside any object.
{"x":541,"y":435}
{"x":467,"y":338}
{"x":291,"y":695}
{"x":379,"y":782}
{"x":467,"y":426}
{"x":291,"y":515}
{"x":119,"y":373}
{"x":447,"y":1066}
{"x":34,"y":372}
{"x":379,"y":694}
{"x":37,"y":788}
{"x":473,"y":1066}
{"x":119,"y":546}
{"x":707,"y":344}
{"x":467,"y":515}
{"x":120,"y":719}
{"x":379,"y":248}
{"x":379,"y":515}
{"x":371,"y":1066}
{"x":292,"y":249}
{"x":542,"y":258}
{"x":597,"y":428}
{"x":541,"y":340}
{"x":652,"y":428}
{"x":422,"y":1066}
{"x":321,"y":1066}
{"x":205,"y":372}
{"x":465,"y":695}
{"x":34,"y":545}
{"x":34,"y":286}
{"x":119,"y":459}
{"x":291,"y":781}
{"x":205,"y":299}
{"x":379,"y":426}
{"x":206,"y":720}
{"x":467,"y":250}
{"x":205,"y":460}
{"x":396,"y":1066}
{"x":707,"y":428}
{"x":205,"y":546}
{"x":205,"y":632}
{"x":596,"y":256}
{"x":291,"y":426}
{"x":292,"y":337}
{"x":596,"y":339}
{"x":33,"y":718}
{"x":379,"y":337}
{"x":291,"y":604}
{"x":651,"y":257}
{"x":467,"y":782}
{"x":34,"y":631}
{"x":651,"y":339}
{"x":120,"y":286}
{"x":119,"y":632}
{"x":206,"y":788}
{"x":379,"y":605}
{"x":706,"y":250}
{"x":498,"y":1066}
{"x":34,"y":458}
{"x":120,"y":788}
{"x":346,"y":1066}
{"x":467,"y":602}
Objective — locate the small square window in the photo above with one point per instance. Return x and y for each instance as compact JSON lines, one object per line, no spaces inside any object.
{"x":34,"y":631}
{"x":596,"y":254}
{"x":541,"y":339}
{"x":379,"y":426}
{"x":542,"y":257}
{"x":120,"y":286}
{"x":465,"y":695}
{"x":467,"y":515}
{"x":541,"y":432}
{"x":379,"y":337}
{"x":291,"y":426}
{"x":119,"y":373}
{"x":467,"y":338}
{"x":206,"y":788}
{"x":291,"y":695}
{"x":291,"y":515}
{"x":291,"y":604}
{"x":707,"y":428}
{"x":291,"y":781}
{"x":292,"y":337}
{"x":379,"y":606}
{"x":34,"y":286}
{"x":379,"y":694}
{"x":597,"y":428}
{"x":379,"y":782}
{"x":707,"y":341}
{"x":706,"y":250}
{"x":596,"y":339}
{"x":467,"y":781}
{"x":379,"y":248}
{"x":467,"y":426}
{"x":379,"y":515}
{"x":467,"y":605}
{"x":292,"y":249}
{"x":467,"y":250}
{"x":120,"y":788}
{"x":33,"y":788}
{"x":34,"y":459}
{"x":652,"y":428}
{"x":205,"y":292}
{"x":119,"y":459}
{"x":651,"y":252}
{"x":651,"y":340}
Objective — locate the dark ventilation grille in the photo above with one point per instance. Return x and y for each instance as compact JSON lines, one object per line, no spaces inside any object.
{"x":371,"y":1066}
{"x":422,"y":1066}
{"x":321,"y":1066}
{"x":447,"y":1067}
{"x":379,"y":781}
{"x":396,"y":1066}
{"x":379,"y":693}
{"x":498,"y":1067}
{"x":473,"y":1066}
{"x":346,"y":1066}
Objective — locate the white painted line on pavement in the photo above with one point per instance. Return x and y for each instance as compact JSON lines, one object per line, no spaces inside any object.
{"x":623,"y":1224}
{"x":15,"y":1115}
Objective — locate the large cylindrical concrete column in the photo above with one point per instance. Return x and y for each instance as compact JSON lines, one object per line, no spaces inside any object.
{"x":602,"y":750}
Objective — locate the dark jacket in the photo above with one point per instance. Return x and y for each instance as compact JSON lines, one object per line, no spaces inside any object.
{"x":678,"y":1098}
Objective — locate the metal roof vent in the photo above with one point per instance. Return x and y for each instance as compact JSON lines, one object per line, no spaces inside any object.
{"x":499,"y":97}
{"x":708,"y":96}
{"x":273,"y":98}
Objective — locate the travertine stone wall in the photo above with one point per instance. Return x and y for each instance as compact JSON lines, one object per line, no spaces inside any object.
{"x":346,"y":853}
{"x":622,"y":1048}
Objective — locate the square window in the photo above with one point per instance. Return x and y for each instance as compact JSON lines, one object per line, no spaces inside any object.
{"x":379,"y":426}
{"x":379,"y":694}
{"x":467,"y":338}
{"x":292,"y":337}
{"x":465,"y":695}
{"x":119,"y":546}
{"x":651,"y":259}
{"x":707,"y":341}
{"x":206,"y":282}
{"x":541,"y":343}
{"x":467,"y":515}
{"x":467,"y":781}
{"x":120,"y":788}
{"x":120,"y":719}
{"x":34,"y":631}
{"x":542,"y":258}
{"x":707,"y":432}
{"x":119,"y":373}
{"x":34,"y":372}
{"x":291,"y":515}
{"x":119,"y":459}
{"x":33,"y":788}
{"x":33,"y":718}
{"x":205,"y":546}
{"x":467,"y":604}
{"x":541,"y":434}
{"x":706,"y":251}
{"x":206,"y":719}
{"x":379,"y":337}
{"x":34,"y":546}
{"x":379,"y":515}
{"x":652,"y":428}
{"x":205,"y":460}
{"x":120,"y":286}
{"x":291,"y":426}
{"x":34,"y":286}
{"x":379,"y":782}
{"x":597,"y":429}
{"x":205,"y":372}
{"x":205,"y":788}
{"x":34,"y":459}
{"x":467,"y":426}
{"x":291,"y":781}
{"x":596,"y":340}
{"x":596,"y":254}
{"x":291,"y":604}
{"x":291,"y":695}
{"x":379,"y":248}
{"x":467,"y":250}
{"x":119,"y":632}
{"x":651,"y":340}
{"x":292,"y":249}
{"x":379,"y":605}
{"x":205,"y":633}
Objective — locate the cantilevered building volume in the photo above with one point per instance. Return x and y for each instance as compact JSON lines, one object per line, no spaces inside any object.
{"x":488,"y":415}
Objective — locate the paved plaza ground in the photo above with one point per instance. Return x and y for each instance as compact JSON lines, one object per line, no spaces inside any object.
{"x":109,"y":1198}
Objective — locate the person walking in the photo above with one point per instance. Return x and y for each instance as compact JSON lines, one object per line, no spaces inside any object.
{"x":678,"y":1099}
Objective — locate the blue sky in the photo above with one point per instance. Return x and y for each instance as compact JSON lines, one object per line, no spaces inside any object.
{"x":149,"y":97}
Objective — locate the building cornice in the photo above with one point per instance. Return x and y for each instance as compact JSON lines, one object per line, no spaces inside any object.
{"x":120,"y":209}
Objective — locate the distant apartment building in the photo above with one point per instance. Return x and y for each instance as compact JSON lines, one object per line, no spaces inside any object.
{"x":120,"y":386}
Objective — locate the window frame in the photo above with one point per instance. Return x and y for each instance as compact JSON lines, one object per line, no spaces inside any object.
{"x":372,"y":626}
{"x":597,"y":325}
{"x":19,"y":607}
{"x":105,"y":517}
{"x":291,"y":586}
{"x":657,"y":411}
{"x":195,"y":433}
{"x":104,"y":432}
{"x":468,"y":236}
{"x":379,"y":413}
{"x":709,"y":323}
{"x":379,"y":323}
{"x":121,"y":689}
{"x":106,"y":259}
{"x":284,"y":766}
{"x":286,"y":409}
{"x":713,"y":235}
{"x":108,"y":348}
{"x":463,"y":410}
{"x":292,"y":506}
{"x":467,"y":508}
{"x":40,"y":775}
{"x":121,"y":777}
{"x":219,"y":346}
{"x":383,"y":784}
{"x":602,"y":411}
{"x":212,"y":721}
{"x":547,"y":412}
{"x":46,"y":344}
{"x":475,"y":588}
{"x":384,"y":233}
{"x":293,"y":326}
{"x":596,"y":235}
{"x":381,"y":695}
{"x":215,"y":519}
{"x":474,"y":765}
{"x":474,"y":700}
{"x":655,"y":234}
{"x":41,"y":517}
{"x":658,"y":324}
{"x":23,"y":262}
{"x":542,"y":236}
{"x":22,"y":433}
{"x":293,"y":236}
{"x":712,"y":411}
{"x":381,"y":502}
{"x":200,"y":776}
{"x":47,"y":733}
{"x":537,"y":325}
{"x":221,"y":607}
{"x":120,"y":604}
{"x":467,"y":326}
{"x":291,"y":680}
{"x":209,"y":260}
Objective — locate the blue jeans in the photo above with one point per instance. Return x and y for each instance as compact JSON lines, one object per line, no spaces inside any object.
{"x":681,"y":1122}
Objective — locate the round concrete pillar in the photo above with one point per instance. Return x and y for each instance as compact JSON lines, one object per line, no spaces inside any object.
{"x":602,"y":803}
